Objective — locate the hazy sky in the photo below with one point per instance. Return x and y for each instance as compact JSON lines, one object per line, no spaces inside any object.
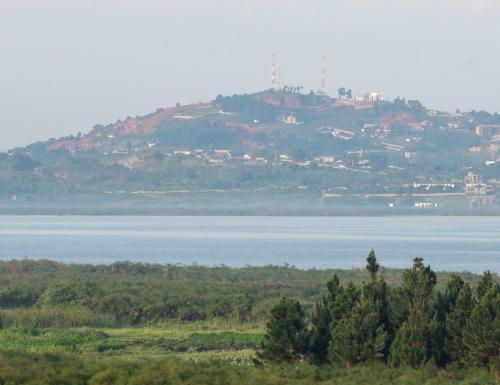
{"x":66,"y":65}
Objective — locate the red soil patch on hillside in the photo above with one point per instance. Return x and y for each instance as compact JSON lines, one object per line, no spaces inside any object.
{"x":404,"y":119}
{"x":149,"y":123}
{"x":140,"y":125}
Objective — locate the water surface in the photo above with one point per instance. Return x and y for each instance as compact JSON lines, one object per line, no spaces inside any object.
{"x":447,"y":243}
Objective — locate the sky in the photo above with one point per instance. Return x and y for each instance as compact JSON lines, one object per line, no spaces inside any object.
{"x":67,"y":65}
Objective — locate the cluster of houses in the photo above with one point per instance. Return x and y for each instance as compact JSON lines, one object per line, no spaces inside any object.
{"x":217,"y":157}
{"x":224,"y":156}
{"x":491,"y":134}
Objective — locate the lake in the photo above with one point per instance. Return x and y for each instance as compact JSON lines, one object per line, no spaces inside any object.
{"x":447,"y":243}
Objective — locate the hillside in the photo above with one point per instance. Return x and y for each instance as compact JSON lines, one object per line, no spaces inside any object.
{"x":267,"y":146}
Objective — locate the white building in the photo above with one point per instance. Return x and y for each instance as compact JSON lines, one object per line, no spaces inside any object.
{"x":375,"y":97}
{"x":425,"y":205}
{"x":290,"y":119}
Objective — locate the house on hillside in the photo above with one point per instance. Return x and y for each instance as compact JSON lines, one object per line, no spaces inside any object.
{"x":325,"y":159}
{"x":183,"y":151}
{"x":487,"y":131}
{"x":285,"y":158}
{"x":425,"y":205}
{"x":222,"y":154}
{"x":290,"y":119}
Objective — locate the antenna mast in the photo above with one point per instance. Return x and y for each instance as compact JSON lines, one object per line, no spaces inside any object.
{"x":274,"y":74}
{"x":279,"y":78}
{"x":323,"y":75}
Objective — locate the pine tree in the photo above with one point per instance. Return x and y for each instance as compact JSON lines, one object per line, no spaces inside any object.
{"x":286,"y":338}
{"x":361,"y":335}
{"x":412,"y":344}
{"x":456,"y":320}
{"x":444,"y":304}
{"x":372,"y":265}
{"x":321,"y":321}
{"x":481,"y":335}
{"x":335,"y":305}
{"x":376,"y":290}
{"x":398,"y":305}
{"x":453,"y":289}
{"x":485,"y":284}
{"x":416,"y":339}
{"x":419,"y":281}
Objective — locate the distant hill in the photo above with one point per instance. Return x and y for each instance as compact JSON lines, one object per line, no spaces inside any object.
{"x":272,"y":142}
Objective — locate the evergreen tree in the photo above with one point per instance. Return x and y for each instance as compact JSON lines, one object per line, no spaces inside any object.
{"x":340,"y":299}
{"x":453,"y":290}
{"x":412,"y":344}
{"x":286,"y":338}
{"x":409,"y":325}
{"x":418,"y":282}
{"x":372,"y":266}
{"x":456,"y":321}
{"x":376,"y":290}
{"x":321,"y":321}
{"x":335,"y":305}
{"x":398,"y":306}
{"x":415,"y":341}
{"x":362,"y":335}
{"x":444,"y":304}
{"x":485,"y":284}
{"x":359,"y":337}
{"x":481,"y":335}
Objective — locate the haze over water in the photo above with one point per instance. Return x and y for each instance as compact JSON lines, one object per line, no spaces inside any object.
{"x":447,"y":243}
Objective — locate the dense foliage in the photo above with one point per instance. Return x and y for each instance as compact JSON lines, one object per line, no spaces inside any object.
{"x":408,"y":325}
{"x":43,"y":293}
{"x":198,"y":325}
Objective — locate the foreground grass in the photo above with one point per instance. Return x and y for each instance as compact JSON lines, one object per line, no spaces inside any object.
{"x":26,"y":368}
{"x":199,"y":353}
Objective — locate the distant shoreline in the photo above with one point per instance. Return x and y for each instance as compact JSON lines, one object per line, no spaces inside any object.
{"x":243,"y":212}
{"x":277,"y":203}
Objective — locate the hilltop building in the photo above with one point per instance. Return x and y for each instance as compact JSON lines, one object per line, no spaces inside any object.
{"x":370,"y":97}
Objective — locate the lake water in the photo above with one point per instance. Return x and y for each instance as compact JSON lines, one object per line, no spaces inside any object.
{"x":447,"y":243}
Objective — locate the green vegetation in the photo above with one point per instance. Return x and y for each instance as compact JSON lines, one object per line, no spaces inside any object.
{"x":153,"y":324}
{"x":409,"y":325}
{"x":51,"y":294}
{"x":62,"y":369}
{"x":133,"y":343}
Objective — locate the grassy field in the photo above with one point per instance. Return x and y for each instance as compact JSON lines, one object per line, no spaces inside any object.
{"x":195,"y":340}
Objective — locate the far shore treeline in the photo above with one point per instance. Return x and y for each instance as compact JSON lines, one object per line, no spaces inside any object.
{"x":124,"y":293}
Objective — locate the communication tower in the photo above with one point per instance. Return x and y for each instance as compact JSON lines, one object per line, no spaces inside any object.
{"x":275,"y":75}
{"x":323,"y":75}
